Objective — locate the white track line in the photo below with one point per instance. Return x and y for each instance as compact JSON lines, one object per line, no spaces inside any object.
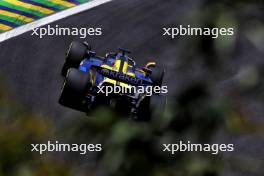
{"x":49,"y":19}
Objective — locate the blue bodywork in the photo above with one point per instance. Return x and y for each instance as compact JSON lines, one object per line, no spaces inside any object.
{"x":87,"y":64}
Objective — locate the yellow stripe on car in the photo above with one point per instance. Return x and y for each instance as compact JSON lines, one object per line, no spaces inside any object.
{"x":124,"y":85}
{"x":124,"y":70}
{"x":30,"y":6}
{"x":107,"y":67}
{"x":17,"y":16}
{"x":63,"y":3}
{"x":131,"y":74}
{"x":5,"y":27}
{"x":108,"y":80}
{"x":117,"y":65}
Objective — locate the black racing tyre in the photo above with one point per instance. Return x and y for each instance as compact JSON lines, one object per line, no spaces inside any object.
{"x":74,"y":55}
{"x":157,"y":106}
{"x":152,"y":107}
{"x":157,"y":75}
{"x":143,"y":112}
{"x":74,"y":89}
{"x":65,"y":68}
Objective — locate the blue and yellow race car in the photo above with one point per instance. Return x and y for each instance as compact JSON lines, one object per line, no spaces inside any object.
{"x":114,"y":80}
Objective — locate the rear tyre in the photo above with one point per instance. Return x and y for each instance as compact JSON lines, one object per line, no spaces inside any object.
{"x":157,"y":75}
{"x":157,"y":105}
{"x":74,"y":89}
{"x":143,"y":113}
{"x":152,"y":107}
{"x":75,"y":54}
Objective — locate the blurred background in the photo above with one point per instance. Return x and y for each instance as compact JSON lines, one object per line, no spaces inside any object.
{"x":215,"y":94}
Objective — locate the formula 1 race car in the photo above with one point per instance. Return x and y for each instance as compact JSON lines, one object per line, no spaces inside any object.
{"x":88,"y":78}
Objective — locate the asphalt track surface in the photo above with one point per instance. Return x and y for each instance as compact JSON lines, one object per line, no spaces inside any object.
{"x":31,"y":66}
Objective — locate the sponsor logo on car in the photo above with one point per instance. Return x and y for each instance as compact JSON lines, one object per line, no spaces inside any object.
{"x":121,"y":77}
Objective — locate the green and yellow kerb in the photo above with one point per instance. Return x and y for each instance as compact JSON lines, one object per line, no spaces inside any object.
{"x":14,"y":13}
